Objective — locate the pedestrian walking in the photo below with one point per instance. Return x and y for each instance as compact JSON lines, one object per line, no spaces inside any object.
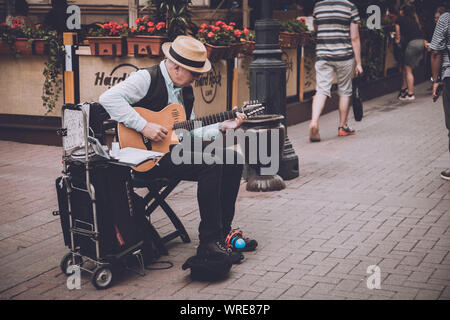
{"x":440,"y":68}
{"x":409,"y":35}
{"x":337,"y":49}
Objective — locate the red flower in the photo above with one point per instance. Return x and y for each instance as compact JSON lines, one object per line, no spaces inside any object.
{"x":133,"y":29}
{"x":151,"y":29}
{"x":237,"y":33}
{"x":210,"y":34}
{"x":246,"y":31}
{"x":150,"y":24}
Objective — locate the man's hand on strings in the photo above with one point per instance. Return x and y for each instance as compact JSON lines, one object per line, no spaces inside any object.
{"x":154,"y":131}
{"x":234,"y":123}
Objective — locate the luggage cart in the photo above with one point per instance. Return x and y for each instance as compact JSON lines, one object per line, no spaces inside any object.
{"x":82,"y":150}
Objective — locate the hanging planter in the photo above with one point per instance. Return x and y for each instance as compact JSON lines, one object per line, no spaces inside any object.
{"x":248,"y":48}
{"x":289,"y":39}
{"x":216,"y":53}
{"x":108,"y":39}
{"x":144,"y":45}
{"x":4,"y":48}
{"x":305,"y":37}
{"x":106,"y":46}
{"x":24,"y":46}
{"x":293,"y":32}
{"x":234,"y":50}
{"x":222,"y":41}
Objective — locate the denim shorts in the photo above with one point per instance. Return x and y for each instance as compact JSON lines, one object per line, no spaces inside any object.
{"x":325,"y":71}
{"x":414,"y":52}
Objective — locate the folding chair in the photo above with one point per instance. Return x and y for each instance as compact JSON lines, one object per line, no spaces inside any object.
{"x":158,"y":189}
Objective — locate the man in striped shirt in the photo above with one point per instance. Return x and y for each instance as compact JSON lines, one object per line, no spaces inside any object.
{"x":337,"y":49}
{"x":440,"y":68}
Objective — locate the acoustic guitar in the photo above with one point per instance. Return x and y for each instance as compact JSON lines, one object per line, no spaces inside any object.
{"x":173,"y":117}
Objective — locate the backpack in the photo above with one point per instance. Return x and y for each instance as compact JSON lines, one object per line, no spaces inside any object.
{"x":149,"y":235}
{"x":210,"y":268}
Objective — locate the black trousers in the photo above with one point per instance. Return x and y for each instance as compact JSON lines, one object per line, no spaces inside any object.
{"x":446,"y":103}
{"x":217,"y":190}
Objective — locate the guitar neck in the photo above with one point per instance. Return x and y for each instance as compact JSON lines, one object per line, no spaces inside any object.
{"x":207,"y":120}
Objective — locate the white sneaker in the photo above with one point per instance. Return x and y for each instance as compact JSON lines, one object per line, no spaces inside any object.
{"x":408,"y":97}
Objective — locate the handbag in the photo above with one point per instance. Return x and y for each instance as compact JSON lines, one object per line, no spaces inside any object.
{"x":356,"y":99}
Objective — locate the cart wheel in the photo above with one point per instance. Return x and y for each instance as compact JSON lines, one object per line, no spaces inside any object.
{"x":66,"y":262}
{"x":102,"y":277}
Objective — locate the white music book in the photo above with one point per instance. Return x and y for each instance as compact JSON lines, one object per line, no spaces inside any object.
{"x":134,"y":156}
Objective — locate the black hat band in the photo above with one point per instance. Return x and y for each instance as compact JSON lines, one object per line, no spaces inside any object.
{"x":188,"y":62}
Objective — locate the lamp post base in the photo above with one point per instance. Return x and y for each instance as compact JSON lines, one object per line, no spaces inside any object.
{"x":265,"y":183}
{"x":289,"y":162}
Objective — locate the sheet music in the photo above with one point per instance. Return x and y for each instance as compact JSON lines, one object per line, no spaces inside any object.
{"x":73,"y":122}
{"x":135,"y":156}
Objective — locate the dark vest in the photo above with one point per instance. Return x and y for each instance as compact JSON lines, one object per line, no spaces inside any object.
{"x":156,"y":98}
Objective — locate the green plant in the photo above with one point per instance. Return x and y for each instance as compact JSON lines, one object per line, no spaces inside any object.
{"x":52,"y":70}
{"x":177,"y":15}
{"x":373,"y":52}
{"x":294,"y":26}
{"x":219,"y":34}
{"x":17,"y":31}
{"x":109,"y":29}
{"x":53,"y":67}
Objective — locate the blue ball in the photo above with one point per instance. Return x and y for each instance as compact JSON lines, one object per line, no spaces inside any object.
{"x":239,"y":243}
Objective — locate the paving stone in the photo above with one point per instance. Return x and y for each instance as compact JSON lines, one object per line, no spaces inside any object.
{"x":372,"y":199}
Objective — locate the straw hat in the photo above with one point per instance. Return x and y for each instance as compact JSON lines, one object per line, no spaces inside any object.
{"x":187,"y":52}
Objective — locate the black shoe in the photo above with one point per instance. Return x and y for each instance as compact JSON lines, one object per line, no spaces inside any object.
{"x":213,"y":247}
{"x":218,"y":248}
{"x":445,"y":174}
{"x":402,"y":94}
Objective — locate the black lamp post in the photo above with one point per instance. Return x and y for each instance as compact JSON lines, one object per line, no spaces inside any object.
{"x":268,"y":80}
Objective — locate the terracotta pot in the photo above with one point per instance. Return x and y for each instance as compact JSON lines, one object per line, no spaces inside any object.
{"x":216,"y":52}
{"x":142,"y":45}
{"x":107,"y":46}
{"x":289,"y":40}
{"x":25,"y":47}
{"x":4,"y":48}
{"x":305,"y":37}
{"x":234,"y":50}
{"x":249,"y":47}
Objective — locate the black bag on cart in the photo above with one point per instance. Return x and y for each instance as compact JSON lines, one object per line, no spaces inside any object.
{"x":115,"y":209}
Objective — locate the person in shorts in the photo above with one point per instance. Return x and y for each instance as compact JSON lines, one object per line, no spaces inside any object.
{"x":338,"y":48}
{"x":409,"y":33}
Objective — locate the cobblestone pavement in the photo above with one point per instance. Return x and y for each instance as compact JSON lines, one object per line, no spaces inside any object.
{"x":375,"y":198}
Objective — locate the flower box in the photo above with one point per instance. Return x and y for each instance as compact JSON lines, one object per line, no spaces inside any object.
{"x":249,"y":47}
{"x":293,"y":40}
{"x":234,"y":50}
{"x":215,"y":53}
{"x":107,"y":46}
{"x":223,"y":52}
{"x":24,"y":46}
{"x":142,"y":45}
{"x":305,"y":37}
{"x":289,"y":39}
